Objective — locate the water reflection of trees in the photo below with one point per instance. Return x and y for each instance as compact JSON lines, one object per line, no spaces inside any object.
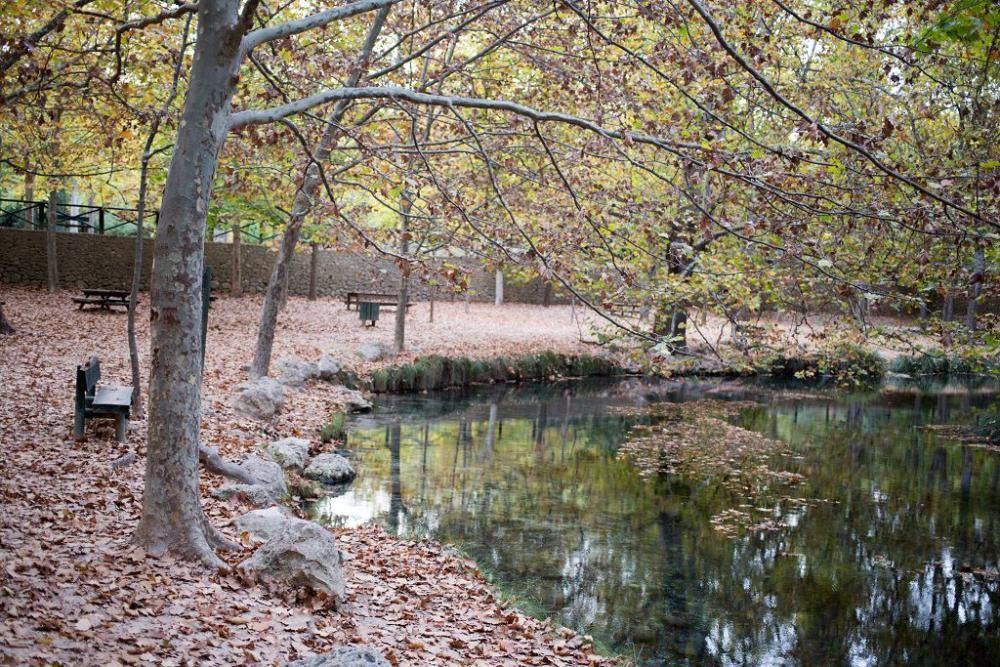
{"x":888,"y":572}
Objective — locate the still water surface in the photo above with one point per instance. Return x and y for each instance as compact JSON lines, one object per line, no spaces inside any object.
{"x":893,"y":562}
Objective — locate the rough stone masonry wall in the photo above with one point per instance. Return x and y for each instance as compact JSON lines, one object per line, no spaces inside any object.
{"x":95,"y":261}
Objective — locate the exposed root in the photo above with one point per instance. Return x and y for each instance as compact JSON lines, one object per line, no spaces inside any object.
{"x":214,"y":463}
{"x":216,"y":539}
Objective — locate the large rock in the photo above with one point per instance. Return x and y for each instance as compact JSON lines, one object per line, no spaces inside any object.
{"x":353,"y":401}
{"x":345,"y":656}
{"x":301,"y":554}
{"x":260,"y":399}
{"x":329,"y":369}
{"x":374,"y":351}
{"x":295,"y":372}
{"x":290,"y":452}
{"x":264,"y":524}
{"x":270,"y":487}
{"x":330,"y":469}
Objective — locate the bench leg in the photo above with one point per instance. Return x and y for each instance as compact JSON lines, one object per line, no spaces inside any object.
{"x":120,"y":428}
{"x":78,"y":421}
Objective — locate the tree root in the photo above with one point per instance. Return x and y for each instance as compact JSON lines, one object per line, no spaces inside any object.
{"x":214,"y":463}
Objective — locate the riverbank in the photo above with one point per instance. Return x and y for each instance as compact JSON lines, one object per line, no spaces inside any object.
{"x":76,"y":592}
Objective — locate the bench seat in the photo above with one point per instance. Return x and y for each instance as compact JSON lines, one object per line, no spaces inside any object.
{"x":104,"y":401}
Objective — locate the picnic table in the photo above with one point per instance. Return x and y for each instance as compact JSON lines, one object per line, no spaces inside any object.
{"x":103,"y":298}
{"x":381,"y":298}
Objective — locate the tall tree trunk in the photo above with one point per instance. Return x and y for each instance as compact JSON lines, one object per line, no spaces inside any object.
{"x":313,"y":267}
{"x":51,"y":255}
{"x":432,"y":294}
{"x":547,"y":294}
{"x":498,"y":294}
{"x":172,"y":517}
{"x":948,"y":307}
{"x":6,"y":328}
{"x":311,"y":182}
{"x":399,"y":337}
{"x":29,"y":184}
{"x":975,"y":286}
{"x":236,"y":277}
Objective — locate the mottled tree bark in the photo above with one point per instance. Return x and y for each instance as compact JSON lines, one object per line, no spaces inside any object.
{"x":172,"y":517}
{"x":498,"y":293}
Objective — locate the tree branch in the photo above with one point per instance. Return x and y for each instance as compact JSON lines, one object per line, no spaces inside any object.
{"x":258,"y":37}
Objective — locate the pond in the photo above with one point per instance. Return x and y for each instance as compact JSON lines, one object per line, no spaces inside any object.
{"x":889,"y":557}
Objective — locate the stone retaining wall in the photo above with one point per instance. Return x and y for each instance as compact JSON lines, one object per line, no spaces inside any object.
{"x":95,"y":261}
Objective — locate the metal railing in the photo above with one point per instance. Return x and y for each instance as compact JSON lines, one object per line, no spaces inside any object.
{"x":24,"y":214}
{"x":110,"y":220}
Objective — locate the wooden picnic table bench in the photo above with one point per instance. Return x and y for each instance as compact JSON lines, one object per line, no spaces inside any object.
{"x":106,"y":401}
{"x":623,"y":308}
{"x":381,"y":298}
{"x":103,"y":298}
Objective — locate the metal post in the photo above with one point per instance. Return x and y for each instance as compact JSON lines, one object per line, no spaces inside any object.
{"x":100,"y":220}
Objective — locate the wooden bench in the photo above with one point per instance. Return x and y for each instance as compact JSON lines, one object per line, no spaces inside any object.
{"x":380,"y":298}
{"x":623,"y":308}
{"x":93,"y":401}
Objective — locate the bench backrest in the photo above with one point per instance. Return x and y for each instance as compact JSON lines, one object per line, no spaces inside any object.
{"x":86,"y":379}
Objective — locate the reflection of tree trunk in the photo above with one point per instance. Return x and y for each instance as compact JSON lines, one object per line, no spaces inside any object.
{"x":675,"y":600}
{"x":486,"y":452}
{"x":939,"y":467}
{"x":966,"y":473}
{"x":541,"y":418}
{"x":396,"y":507}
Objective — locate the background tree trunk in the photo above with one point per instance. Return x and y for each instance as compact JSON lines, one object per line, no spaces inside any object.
{"x":975,"y":287}
{"x":6,"y":328}
{"x":51,"y":259}
{"x":498,"y":295}
{"x":236,"y":279}
{"x":29,"y":185}
{"x":311,"y":183}
{"x":313,"y":267}
{"x":399,"y":337}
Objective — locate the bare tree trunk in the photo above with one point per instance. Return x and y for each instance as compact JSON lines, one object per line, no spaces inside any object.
{"x":52,"y":261}
{"x":313,"y":267}
{"x":547,"y":294}
{"x":29,"y":184}
{"x":432,"y":294}
{"x":399,"y":337}
{"x":6,"y":328}
{"x":498,"y":294}
{"x":311,"y":183}
{"x":236,"y":278}
{"x":975,"y":287}
{"x":172,"y":517}
{"x":948,"y":307}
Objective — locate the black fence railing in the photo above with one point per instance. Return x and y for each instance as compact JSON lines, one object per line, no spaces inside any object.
{"x":110,"y":220}
{"x":114,"y":220}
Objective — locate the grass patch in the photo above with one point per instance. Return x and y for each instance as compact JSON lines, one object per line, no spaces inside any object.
{"x":437,"y":372}
{"x":939,"y":363}
{"x":334,"y":428}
